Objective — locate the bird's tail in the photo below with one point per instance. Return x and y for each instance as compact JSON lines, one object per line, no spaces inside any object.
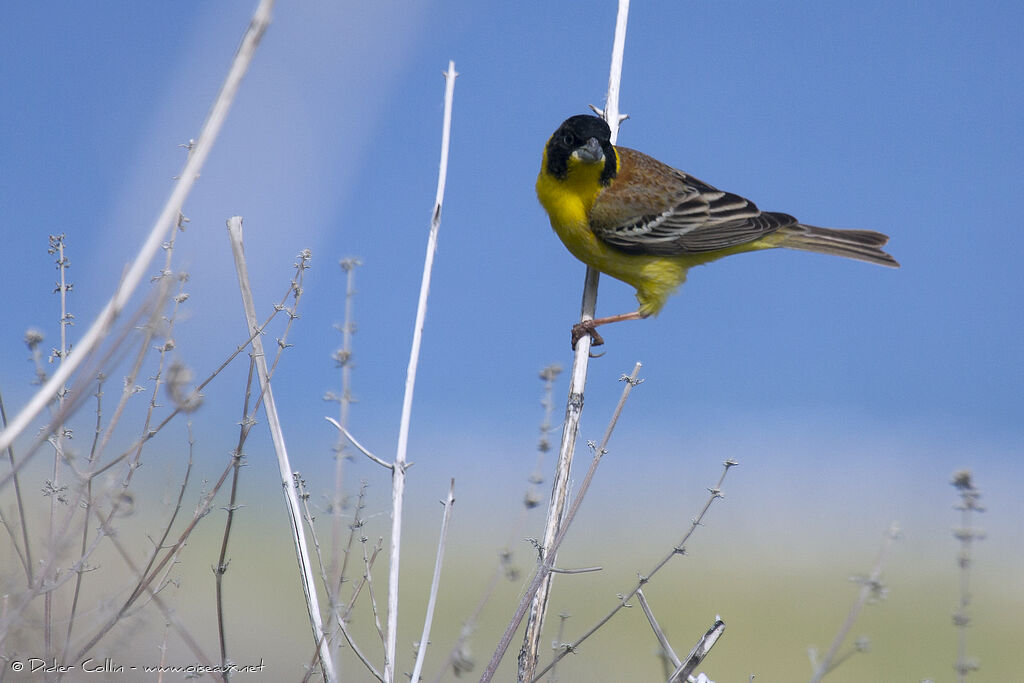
{"x":863,"y":245}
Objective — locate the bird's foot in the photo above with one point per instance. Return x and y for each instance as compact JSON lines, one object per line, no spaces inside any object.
{"x":584,"y":328}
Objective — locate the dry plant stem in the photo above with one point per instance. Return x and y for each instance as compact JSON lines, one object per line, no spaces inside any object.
{"x":666,"y":647}
{"x":398,"y":469}
{"x":531,"y":499}
{"x":546,"y":561}
{"x":359,"y":446}
{"x":198,"y":390}
{"x":46,"y":580}
{"x":167,"y":612}
{"x":26,"y":558}
{"x":559,"y":493}
{"x":359,"y":653}
{"x":147,"y":575}
{"x":245,"y":425}
{"x":145,"y":580}
{"x":367,"y":580}
{"x":222,"y":562}
{"x":357,"y":523}
{"x":92,"y":368}
{"x":449,"y":502}
{"x":683,"y":671}
{"x":307,"y":514}
{"x":165,"y":222}
{"x":348,"y":265}
{"x":311,"y":667}
{"x":967,"y":534}
{"x":679,"y":549}
{"x":135,"y":460}
{"x":869,"y":587}
{"x":57,"y":440}
{"x":80,"y":565}
{"x":277,"y":436}
{"x":85,"y":527}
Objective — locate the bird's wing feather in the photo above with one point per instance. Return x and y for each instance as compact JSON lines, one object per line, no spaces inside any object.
{"x":651,"y":208}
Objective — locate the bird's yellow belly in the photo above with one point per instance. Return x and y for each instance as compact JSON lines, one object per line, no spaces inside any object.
{"x":654,"y":277}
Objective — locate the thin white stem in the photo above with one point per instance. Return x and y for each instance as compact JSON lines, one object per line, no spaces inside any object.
{"x":398,"y":469}
{"x":359,"y":446}
{"x":432,"y":601}
{"x":277,"y":436}
{"x":166,"y":221}
{"x":574,"y":407}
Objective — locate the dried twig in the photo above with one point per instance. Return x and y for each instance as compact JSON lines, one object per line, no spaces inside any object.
{"x":871,"y":589}
{"x":547,"y":558}
{"x":421,"y":652}
{"x":679,"y":549}
{"x":167,"y":219}
{"x":967,"y":534}
{"x":277,"y":436}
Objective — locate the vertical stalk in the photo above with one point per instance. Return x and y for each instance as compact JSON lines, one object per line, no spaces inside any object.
{"x":277,"y":435}
{"x":574,"y":407}
{"x":398,"y":468}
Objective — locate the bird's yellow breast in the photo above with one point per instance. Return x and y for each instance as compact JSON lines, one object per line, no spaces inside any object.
{"x":569,"y":201}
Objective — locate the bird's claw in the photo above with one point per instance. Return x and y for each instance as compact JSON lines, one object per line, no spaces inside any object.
{"x":584,"y":328}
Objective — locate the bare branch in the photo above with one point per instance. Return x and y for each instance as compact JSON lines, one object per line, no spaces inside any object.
{"x":362,"y":449}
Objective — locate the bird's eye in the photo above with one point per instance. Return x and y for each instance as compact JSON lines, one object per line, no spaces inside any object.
{"x":568,"y":139}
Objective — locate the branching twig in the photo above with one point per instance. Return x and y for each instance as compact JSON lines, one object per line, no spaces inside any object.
{"x":871,"y":589}
{"x":135,"y":273}
{"x":343,"y":357}
{"x":547,"y":559}
{"x":359,"y":446}
{"x":236,"y":465}
{"x":277,"y":436}
{"x":967,"y":535}
{"x":679,"y":549}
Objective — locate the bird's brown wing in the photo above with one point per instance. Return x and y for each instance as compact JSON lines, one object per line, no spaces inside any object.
{"x":652,"y":208}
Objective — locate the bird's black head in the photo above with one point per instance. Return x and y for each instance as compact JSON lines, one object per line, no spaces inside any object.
{"x":590,"y":138}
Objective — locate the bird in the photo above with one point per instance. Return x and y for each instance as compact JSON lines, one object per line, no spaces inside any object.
{"x":646,"y":223}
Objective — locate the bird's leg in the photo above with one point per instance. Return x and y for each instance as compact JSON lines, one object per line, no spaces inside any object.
{"x":587,"y":326}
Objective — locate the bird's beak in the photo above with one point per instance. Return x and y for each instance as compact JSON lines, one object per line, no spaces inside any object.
{"x":590,"y":153}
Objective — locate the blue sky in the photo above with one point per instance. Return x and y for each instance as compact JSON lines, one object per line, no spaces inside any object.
{"x":855,"y":389}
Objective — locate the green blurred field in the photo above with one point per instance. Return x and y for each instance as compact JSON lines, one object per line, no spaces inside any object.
{"x":774,"y":605}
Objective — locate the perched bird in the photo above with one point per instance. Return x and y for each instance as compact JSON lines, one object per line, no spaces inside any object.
{"x":636,"y":219}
